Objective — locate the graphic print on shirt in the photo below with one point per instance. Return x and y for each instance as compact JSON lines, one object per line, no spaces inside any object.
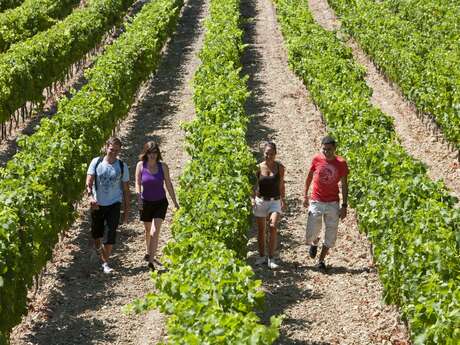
{"x":328,"y":174}
{"x":108,"y":180}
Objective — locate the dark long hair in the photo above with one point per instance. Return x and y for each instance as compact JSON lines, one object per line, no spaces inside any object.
{"x":270,"y":144}
{"x":150,"y":146}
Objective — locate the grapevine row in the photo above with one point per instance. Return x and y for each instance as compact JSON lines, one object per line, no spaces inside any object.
{"x":208,"y":289}
{"x":427,"y":72}
{"x":34,"y":64}
{"x":6,"y":4}
{"x":41,"y":183}
{"x":31,"y":17}
{"x":437,"y":20}
{"x":410,"y":219}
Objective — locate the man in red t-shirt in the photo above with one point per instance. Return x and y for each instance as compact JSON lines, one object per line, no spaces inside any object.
{"x":326,"y":171}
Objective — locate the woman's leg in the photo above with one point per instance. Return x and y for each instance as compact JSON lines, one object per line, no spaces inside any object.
{"x":261,"y":235}
{"x":154,"y":236}
{"x":274,"y":218}
{"x":147,"y":227}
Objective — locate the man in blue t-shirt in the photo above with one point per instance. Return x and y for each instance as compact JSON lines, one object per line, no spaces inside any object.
{"x":107,"y":188}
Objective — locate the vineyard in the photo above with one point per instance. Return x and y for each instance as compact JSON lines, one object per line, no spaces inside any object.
{"x":211,"y":80}
{"x":7,"y":4}
{"x":421,"y":58}
{"x":32,"y":17}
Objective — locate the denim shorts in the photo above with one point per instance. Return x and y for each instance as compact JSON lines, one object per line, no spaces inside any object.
{"x":263,"y":208}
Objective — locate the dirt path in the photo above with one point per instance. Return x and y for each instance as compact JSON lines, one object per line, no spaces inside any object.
{"x":344,"y":306}
{"x":77,"y":303}
{"x":413,"y":131}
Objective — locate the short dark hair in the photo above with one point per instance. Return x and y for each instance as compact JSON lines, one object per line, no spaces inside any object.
{"x":113,"y":141}
{"x":328,"y":140}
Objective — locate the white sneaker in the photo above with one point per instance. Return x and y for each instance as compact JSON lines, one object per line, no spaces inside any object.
{"x":106,"y":269}
{"x":261,"y":260}
{"x":272,"y":264}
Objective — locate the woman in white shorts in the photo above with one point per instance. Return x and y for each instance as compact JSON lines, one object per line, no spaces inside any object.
{"x":268,"y":202}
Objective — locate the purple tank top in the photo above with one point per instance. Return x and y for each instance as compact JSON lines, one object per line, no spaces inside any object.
{"x":152,"y":184}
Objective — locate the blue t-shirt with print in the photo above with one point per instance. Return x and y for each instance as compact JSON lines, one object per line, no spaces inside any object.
{"x":109,"y":187}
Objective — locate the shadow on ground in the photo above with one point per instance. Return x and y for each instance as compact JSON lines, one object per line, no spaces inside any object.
{"x":168,"y":79}
{"x":256,"y":108}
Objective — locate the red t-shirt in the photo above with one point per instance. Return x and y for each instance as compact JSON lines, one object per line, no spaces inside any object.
{"x":326,"y":177}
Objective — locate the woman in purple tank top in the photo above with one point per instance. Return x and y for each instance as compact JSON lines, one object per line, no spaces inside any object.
{"x":151,"y":176}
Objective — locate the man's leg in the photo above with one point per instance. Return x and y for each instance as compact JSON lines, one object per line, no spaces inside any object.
{"x":331,"y":224}
{"x":314,"y":222}
{"x":98,"y":244}
{"x":97,"y":230}
{"x":112,"y":218}
{"x":106,"y":251}
{"x":324,"y":251}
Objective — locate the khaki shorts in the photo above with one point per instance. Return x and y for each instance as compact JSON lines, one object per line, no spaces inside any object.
{"x":263,"y":208}
{"x":317,"y":211}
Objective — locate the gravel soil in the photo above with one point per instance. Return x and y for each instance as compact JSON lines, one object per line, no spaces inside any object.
{"x":77,"y":303}
{"x":416,"y":133}
{"x":344,"y":306}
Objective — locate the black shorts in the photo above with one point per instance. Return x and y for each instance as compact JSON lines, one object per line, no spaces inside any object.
{"x":153,"y":209}
{"x":104,"y":222}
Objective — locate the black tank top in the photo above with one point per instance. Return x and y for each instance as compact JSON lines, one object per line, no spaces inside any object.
{"x":269,"y":186}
